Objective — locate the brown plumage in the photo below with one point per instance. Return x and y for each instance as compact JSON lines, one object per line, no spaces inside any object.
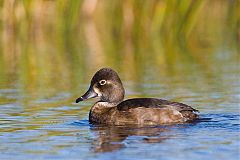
{"x":111,"y":109}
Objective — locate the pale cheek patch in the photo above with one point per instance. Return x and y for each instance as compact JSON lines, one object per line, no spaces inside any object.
{"x":97,"y":91}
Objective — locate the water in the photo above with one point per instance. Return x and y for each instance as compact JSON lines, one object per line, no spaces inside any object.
{"x":54,"y":127}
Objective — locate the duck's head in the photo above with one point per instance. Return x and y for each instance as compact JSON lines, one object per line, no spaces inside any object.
{"x":106,"y":85}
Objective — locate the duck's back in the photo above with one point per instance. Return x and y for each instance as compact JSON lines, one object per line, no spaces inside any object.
{"x":158,"y":111}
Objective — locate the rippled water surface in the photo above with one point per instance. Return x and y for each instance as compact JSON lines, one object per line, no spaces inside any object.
{"x":54,"y":127}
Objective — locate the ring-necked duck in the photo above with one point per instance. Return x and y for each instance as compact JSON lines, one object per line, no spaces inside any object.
{"x":111,"y":109}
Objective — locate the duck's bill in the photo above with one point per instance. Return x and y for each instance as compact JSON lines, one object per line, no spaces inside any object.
{"x":89,"y":94}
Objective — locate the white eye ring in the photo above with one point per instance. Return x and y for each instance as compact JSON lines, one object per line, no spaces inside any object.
{"x":102,"y":82}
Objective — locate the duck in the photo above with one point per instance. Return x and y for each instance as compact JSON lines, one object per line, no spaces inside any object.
{"x":112,"y":109}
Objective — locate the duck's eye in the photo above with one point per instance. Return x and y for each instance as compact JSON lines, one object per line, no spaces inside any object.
{"x":102,"y":82}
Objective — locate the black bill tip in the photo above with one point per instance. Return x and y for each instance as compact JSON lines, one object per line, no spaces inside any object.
{"x":79,"y":99}
{"x":89,"y":94}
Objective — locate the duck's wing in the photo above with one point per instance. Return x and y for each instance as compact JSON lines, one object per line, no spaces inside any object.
{"x":153,"y":103}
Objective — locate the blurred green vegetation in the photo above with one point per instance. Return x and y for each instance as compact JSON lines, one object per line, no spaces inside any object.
{"x":59,"y":44}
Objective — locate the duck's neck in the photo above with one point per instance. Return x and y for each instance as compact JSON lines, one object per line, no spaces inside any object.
{"x":101,"y":112}
{"x":101,"y":107}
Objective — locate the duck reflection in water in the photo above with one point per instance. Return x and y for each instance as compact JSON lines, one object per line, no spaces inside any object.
{"x":111,"y":138}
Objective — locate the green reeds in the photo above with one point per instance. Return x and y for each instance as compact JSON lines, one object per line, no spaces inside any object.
{"x":57,"y":43}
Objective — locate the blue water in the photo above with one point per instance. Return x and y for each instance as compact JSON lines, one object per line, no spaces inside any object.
{"x":63,"y":132}
{"x":214,"y":136}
